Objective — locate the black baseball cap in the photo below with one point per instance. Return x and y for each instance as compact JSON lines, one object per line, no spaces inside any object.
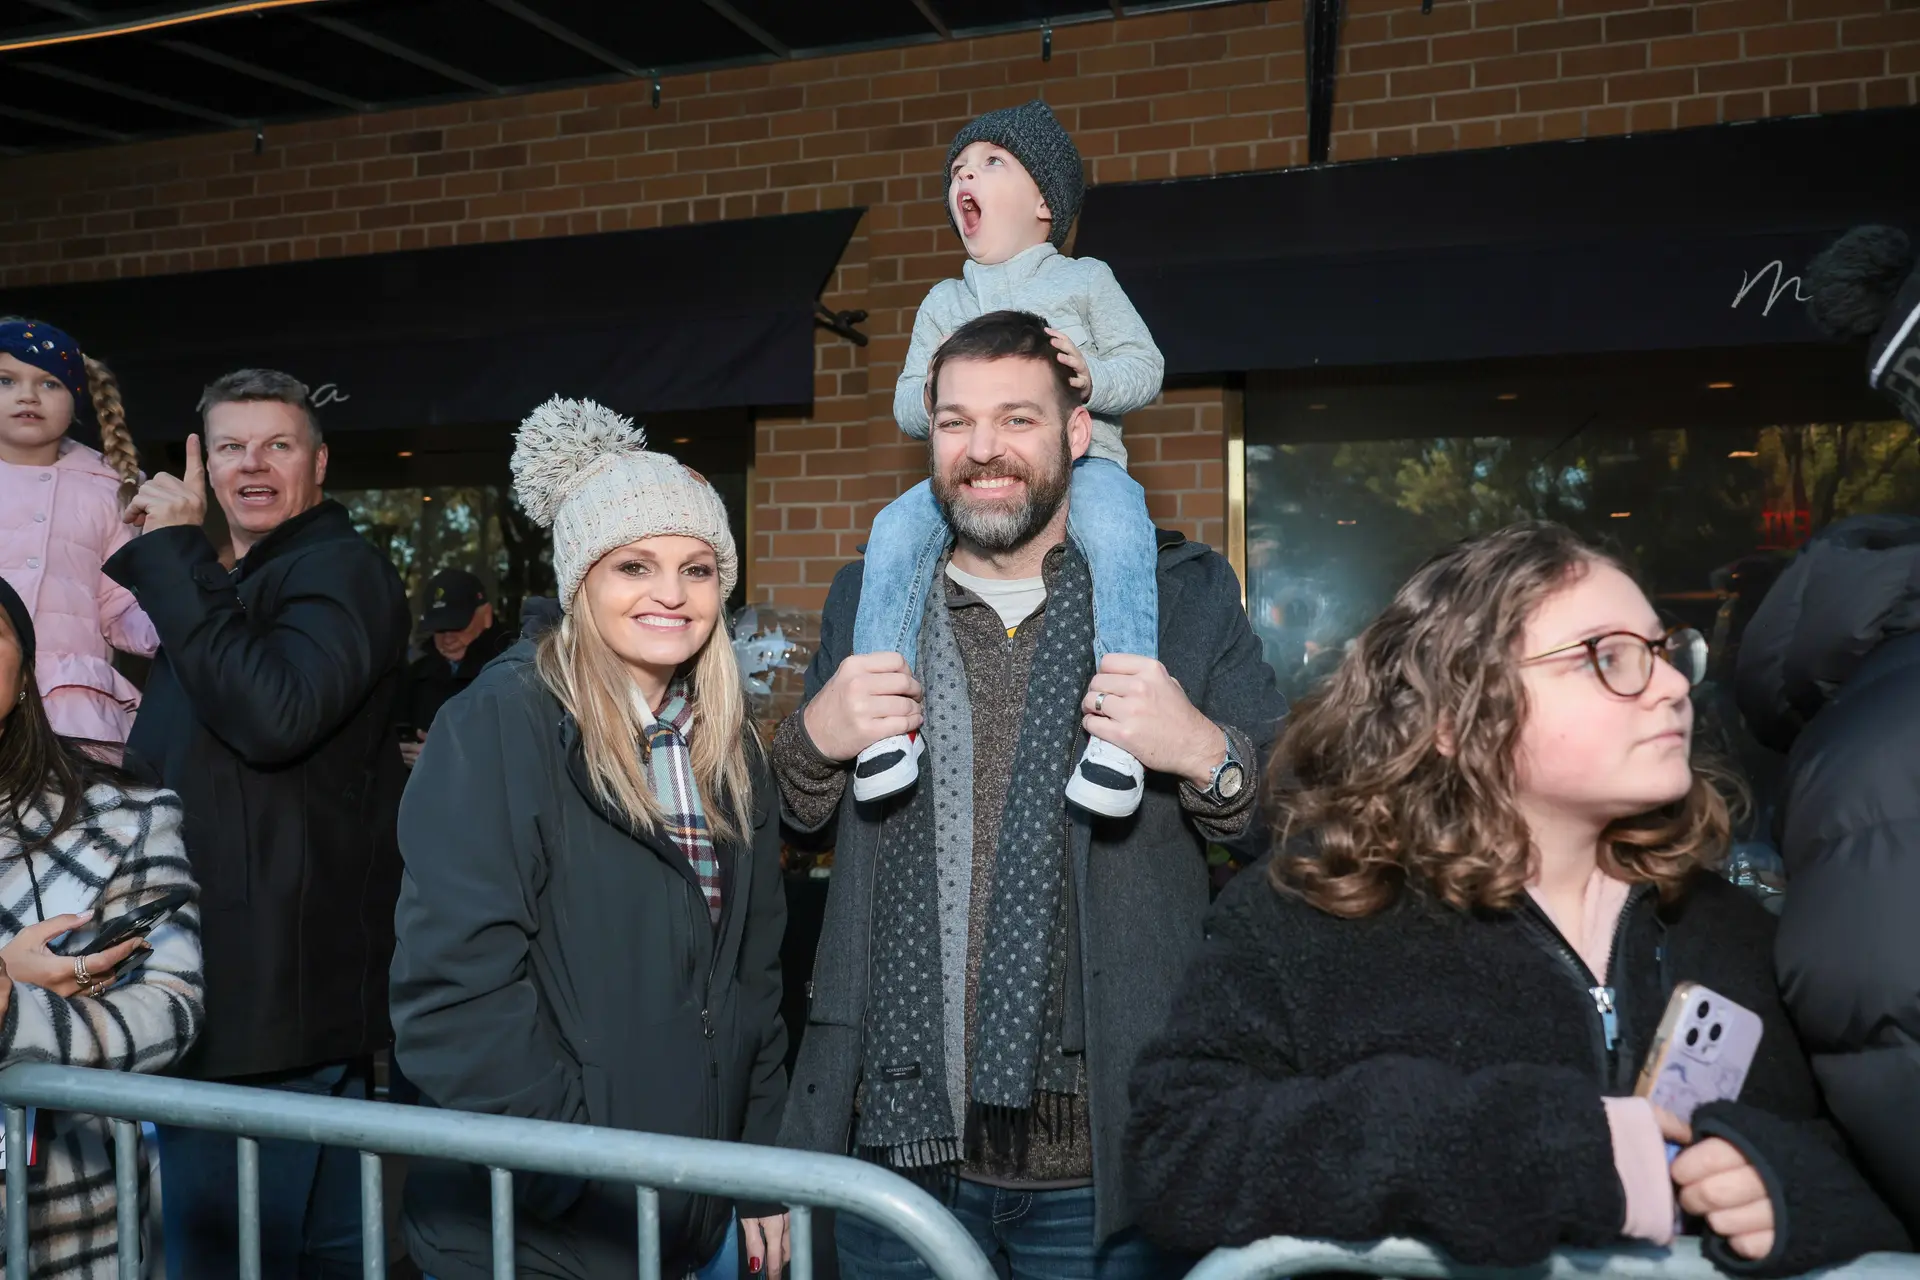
{"x":452,"y":598}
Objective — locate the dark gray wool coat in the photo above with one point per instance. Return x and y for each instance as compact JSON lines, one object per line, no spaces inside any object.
{"x":1140,"y":883}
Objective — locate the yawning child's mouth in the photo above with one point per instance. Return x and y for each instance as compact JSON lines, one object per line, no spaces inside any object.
{"x":969,"y":214}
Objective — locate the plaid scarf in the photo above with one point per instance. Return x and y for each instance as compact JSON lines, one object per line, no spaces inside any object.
{"x":671,"y":763}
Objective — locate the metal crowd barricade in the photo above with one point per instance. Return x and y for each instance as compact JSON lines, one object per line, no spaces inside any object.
{"x":649,"y":1162}
{"x":1410,"y":1260}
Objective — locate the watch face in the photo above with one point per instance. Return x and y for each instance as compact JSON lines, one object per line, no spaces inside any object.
{"x":1233,"y":776}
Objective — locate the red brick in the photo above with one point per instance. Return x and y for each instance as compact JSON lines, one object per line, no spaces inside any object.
{"x":1472,"y":106}
{"x":1649,"y":85}
{"x":1473,"y":46}
{"x":1603,"y":61}
{"x":1563,"y":95}
{"x":1854,"y":64}
{"x":1388,"y":57}
{"x":1453,"y":78}
{"x":1734,"y":77}
{"x":1695,"y":51}
{"x":1574,"y":34}
{"x":1808,"y":37}
{"x":1529,"y":68}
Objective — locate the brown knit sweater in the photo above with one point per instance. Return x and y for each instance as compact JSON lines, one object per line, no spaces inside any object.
{"x":998,"y":666}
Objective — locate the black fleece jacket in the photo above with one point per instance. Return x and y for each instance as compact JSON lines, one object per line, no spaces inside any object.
{"x":1425,"y":1072}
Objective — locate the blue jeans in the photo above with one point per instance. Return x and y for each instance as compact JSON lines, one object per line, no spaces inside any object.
{"x":309,"y":1195}
{"x":1027,"y":1235}
{"x":1106,"y":519}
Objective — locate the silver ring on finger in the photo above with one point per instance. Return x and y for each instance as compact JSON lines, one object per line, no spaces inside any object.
{"x":80,"y":974}
{"x":1099,"y":702}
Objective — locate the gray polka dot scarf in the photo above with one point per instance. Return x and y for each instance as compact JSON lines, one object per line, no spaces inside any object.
{"x":914,"y":1114}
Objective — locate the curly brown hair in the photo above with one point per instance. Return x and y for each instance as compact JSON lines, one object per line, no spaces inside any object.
{"x":1361,"y":775}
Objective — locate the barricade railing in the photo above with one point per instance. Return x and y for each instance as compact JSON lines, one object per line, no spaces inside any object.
{"x":1411,"y":1260}
{"x":505,"y":1145}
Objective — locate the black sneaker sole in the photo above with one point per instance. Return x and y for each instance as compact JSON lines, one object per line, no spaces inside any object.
{"x":1101,"y":776}
{"x":878,"y":765}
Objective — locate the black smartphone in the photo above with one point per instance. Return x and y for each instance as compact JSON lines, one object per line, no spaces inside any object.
{"x":141,"y":920}
{"x":404,"y":732}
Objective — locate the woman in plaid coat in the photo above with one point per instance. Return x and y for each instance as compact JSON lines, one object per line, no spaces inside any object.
{"x":80,"y":846}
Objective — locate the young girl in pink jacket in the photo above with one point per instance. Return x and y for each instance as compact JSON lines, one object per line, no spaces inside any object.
{"x":60,"y":505}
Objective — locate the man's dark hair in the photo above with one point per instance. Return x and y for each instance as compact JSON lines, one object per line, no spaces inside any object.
{"x":245,"y":385}
{"x":1003,"y":335}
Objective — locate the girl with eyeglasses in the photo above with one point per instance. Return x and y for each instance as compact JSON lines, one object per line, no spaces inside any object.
{"x":1425,"y":1017}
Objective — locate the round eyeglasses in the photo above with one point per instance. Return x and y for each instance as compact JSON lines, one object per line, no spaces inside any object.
{"x":1624,"y":659}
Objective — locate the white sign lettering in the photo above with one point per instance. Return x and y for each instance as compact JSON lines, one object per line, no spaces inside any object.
{"x":329,"y":393}
{"x":1782,"y":283}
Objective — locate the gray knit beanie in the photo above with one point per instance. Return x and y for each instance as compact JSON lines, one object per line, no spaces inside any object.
{"x":1032,"y":136}
{"x":584,"y":471}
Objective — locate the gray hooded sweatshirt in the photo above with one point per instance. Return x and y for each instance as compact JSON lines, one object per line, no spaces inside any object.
{"x":1077,"y":296}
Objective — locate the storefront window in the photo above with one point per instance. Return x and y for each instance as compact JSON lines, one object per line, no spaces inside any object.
{"x":423,"y":531}
{"x":1706,"y":513}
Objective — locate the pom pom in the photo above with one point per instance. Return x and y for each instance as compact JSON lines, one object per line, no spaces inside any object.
{"x":557,"y":443}
{"x":1855,"y":281}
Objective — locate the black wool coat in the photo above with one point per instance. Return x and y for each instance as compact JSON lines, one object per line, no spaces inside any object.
{"x":1830,"y":673}
{"x":558,"y":963}
{"x":1430,"y":1073}
{"x":270,"y":712}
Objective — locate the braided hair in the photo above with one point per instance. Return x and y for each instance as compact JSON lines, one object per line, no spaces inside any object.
{"x":116,"y":442}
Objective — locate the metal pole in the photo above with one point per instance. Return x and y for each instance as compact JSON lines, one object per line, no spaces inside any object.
{"x":373,"y":1219}
{"x":502,"y":1224}
{"x":16,"y":1194}
{"x":648,"y":1201}
{"x":800,"y":1237}
{"x":249,"y":1160}
{"x":126,"y":1184}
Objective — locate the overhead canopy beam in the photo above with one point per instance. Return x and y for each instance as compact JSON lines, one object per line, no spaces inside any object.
{"x":240,"y":66}
{"x":394,"y":49}
{"x":62,"y":123}
{"x":752,"y":28}
{"x":934,"y":20}
{"x":131,"y":94}
{"x":565,"y":35}
{"x":154,"y":22}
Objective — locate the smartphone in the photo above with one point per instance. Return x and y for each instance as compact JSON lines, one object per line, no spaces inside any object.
{"x":1701,"y":1053}
{"x":141,"y":920}
{"x":404,"y":732}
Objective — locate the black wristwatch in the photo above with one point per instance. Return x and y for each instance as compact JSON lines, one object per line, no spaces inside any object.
{"x":1229,"y":777}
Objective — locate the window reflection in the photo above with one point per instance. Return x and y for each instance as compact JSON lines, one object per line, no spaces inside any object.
{"x":1707,"y":515}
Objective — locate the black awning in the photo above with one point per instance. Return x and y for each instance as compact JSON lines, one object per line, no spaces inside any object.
{"x":1661,"y":241}
{"x":708,"y":316}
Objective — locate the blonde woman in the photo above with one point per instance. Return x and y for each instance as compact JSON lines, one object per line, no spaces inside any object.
{"x":590,"y":920}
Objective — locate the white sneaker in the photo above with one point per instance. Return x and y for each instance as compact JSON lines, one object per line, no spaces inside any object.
{"x":1107,"y":781}
{"x":888,"y":766}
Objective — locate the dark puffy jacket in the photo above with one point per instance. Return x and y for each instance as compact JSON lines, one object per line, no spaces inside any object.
{"x":270,"y":711}
{"x":1830,"y":673}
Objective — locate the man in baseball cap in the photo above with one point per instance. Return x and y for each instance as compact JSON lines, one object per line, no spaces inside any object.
{"x":465,"y":638}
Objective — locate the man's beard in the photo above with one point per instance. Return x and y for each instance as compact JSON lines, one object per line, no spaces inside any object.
{"x":998,"y":527}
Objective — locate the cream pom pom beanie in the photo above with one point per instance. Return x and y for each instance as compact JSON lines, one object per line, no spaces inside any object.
{"x":584,"y":471}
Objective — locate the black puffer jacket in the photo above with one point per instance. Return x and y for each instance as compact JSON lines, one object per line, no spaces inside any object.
{"x":1425,"y":1072}
{"x":1830,"y":673}
{"x":270,"y":711}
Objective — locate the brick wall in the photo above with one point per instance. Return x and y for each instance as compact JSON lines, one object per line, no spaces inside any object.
{"x":1187,"y":93}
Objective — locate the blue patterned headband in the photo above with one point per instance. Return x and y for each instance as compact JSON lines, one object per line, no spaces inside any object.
{"x":51,"y":350}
